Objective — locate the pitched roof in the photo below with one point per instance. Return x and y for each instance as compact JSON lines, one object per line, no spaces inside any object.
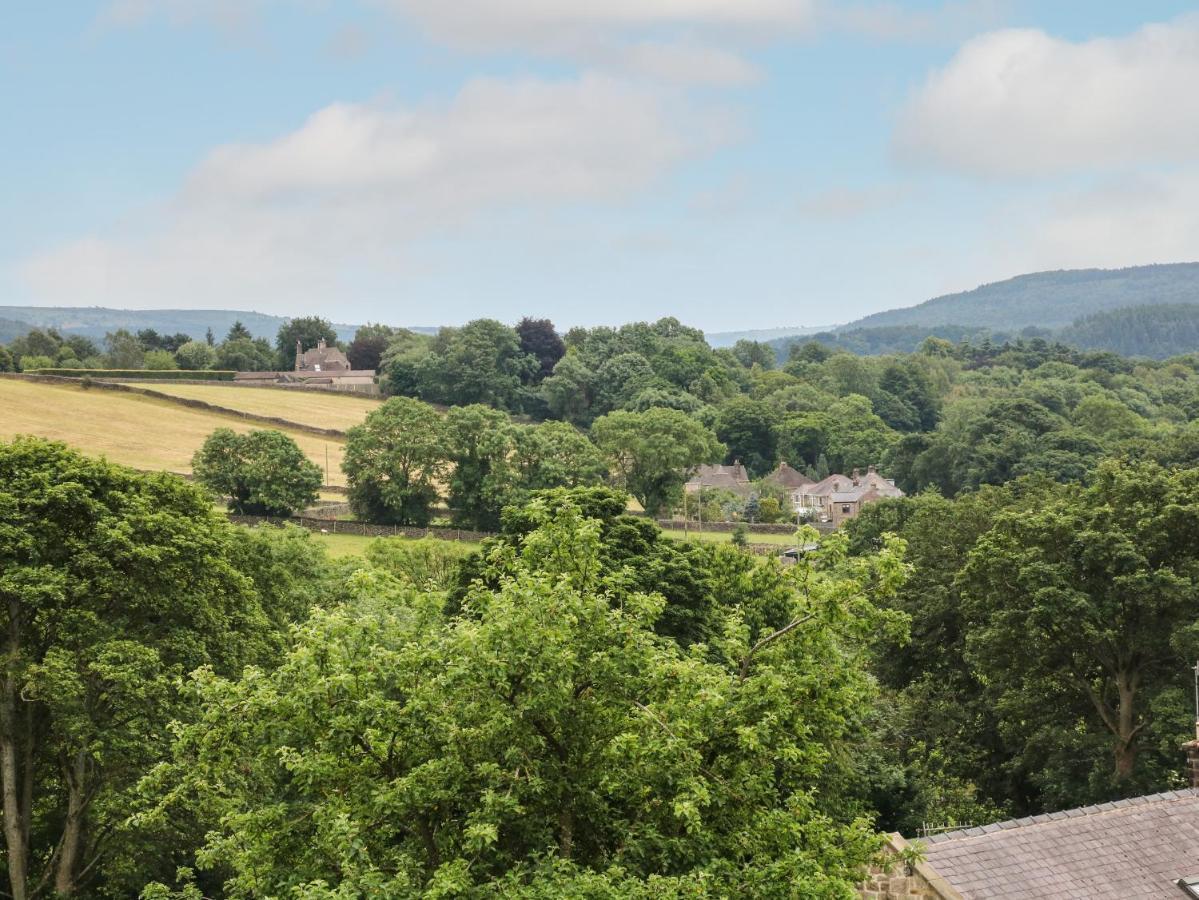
{"x":827,"y":485}
{"x":788,"y":477}
{"x":1124,"y":850}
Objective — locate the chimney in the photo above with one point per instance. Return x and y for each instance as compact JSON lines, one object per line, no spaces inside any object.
{"x":856,"y":476}
{"x":320,"y":345}
{"x":871,"y":470}
{"x":299,"y":353}
{"x":1192,"y":751}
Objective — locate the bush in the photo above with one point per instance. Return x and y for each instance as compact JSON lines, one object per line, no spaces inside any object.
{"x":740,"y":536}
{"x":160,"y":360}
{"x":33,"y":363}
{"x":195,"y":356}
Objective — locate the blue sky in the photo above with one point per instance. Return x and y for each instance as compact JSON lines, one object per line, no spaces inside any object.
{"x":735,"y":163}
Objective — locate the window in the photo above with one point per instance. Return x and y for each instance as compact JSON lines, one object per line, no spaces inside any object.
{"x":845,"y":509}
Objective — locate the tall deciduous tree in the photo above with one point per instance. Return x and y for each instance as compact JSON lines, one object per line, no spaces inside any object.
{"x":395,"y":461}
{"x":1083,"y":614}
{"x":369,"y":344}
{"x":263,"y":473}
{"x":546,"y":742}
{"x":653,"y":451}
{"x":539,"y":339}
{"x":113,"y":585}
{"x":555,"y":454}
{"x":478,"y":443}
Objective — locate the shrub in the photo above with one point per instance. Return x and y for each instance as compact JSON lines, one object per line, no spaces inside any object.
{"x":262,"y":472}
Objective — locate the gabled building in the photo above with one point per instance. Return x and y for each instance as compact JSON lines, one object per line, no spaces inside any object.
{"x":838,"y":498}
{"x":733,"y":478}
{"x":321,"y":358}
{"x":786,"y":477}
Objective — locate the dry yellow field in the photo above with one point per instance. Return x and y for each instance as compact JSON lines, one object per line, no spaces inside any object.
{"x":320,"y":409}
{"x":137,"y":431}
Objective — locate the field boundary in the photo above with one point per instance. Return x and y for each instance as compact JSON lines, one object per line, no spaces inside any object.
{"x":124,"y":387}
{"x":364,"y":529}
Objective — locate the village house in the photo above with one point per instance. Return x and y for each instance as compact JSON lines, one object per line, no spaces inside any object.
{"x":838,"y":498}
{"x":1141,"y":847}
{"x":788,"y":478}
{"x":321,"y":367}
{"x":733,"y":478}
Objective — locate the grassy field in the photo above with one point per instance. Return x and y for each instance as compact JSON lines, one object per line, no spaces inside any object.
{"x":340,"y":545}
{"x":724,"y":537}
{"x":320,"y":409}
{"x":142,"y":432}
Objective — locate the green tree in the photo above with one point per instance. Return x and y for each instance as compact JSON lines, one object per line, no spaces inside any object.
{"x":1083,"y":618}
{"x":124,"y":350}
{"x":244,"y":355}
{"x":568,"y":393}
{"x":238,"y":332}
{"x":747,"y":428}
{"x":394,"y":462}
{"x":7,"y":363}
{"x":540,"y":340}
{"x":195,"y":356}
{"x":546,"y":742}
{"x":652,"y":452}
{"x":309,"y":331}
{"x":478,"y":443}
{"x":555,"y":454}
{"x":401,"y":362}
{"x":369,"y":344}
{"x":113,"y":585}
{"x":160,"y":360}
{"x":263,"y":473}
{"x":481,"y":362}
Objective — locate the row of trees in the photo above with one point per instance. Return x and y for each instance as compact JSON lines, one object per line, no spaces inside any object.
{"x":406,"y":454}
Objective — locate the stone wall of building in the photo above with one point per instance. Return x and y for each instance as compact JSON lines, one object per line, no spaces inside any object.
{"x":894,"y":879}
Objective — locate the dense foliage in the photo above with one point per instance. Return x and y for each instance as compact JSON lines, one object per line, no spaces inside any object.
{"x":263,"y":473}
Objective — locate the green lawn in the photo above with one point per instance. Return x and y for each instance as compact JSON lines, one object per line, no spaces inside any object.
{"x":724,"y":537}
{"x":340,"y":545}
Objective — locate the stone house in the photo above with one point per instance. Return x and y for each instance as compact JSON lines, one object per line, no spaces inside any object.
{"x":838,"y":498}
{"x":786,"y":477}
{"x":733,"y":478}
{"x":321,"y":358}
{"x":321,"y":367}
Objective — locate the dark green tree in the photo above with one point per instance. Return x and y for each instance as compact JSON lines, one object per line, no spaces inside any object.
{"x":394,"y":462}
{"x":263,"y":473}
{"x":652,"y":452}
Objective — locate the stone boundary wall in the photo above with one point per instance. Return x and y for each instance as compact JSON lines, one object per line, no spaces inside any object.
{"x":129,"y":388}
{"x":363,"y":529}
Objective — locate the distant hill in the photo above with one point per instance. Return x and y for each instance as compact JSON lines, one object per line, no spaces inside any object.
{"x":729,"y":338}
{"x":96,"y":321}
{"x":1048,"y":299}
{"x":1156,"y":331}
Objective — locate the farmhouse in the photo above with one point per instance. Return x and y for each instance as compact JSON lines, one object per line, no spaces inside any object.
{"x":322,"y":367}
{"x":838,"y":498}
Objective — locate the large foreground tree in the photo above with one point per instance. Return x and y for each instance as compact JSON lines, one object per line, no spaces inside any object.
{"x":113,"y":586}
{"x":546,"y":742}
{"x":1081,"y":618}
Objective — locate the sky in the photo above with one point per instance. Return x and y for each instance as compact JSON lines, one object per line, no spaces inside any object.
{"x":737,"y":164}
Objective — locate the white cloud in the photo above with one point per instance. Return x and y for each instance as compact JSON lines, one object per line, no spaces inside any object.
{"x":542,"y":24}
{"x":851,"y":203}
{"x":1123,"y":221}
{"x":1022,"y":103}
{"x":351,"y":189}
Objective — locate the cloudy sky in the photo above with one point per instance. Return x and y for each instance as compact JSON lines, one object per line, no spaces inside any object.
{"x":735,"y":163}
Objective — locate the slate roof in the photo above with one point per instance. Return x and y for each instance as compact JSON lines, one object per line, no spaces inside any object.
{"x":1131,"y":849}
{"x":788,"y":477}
